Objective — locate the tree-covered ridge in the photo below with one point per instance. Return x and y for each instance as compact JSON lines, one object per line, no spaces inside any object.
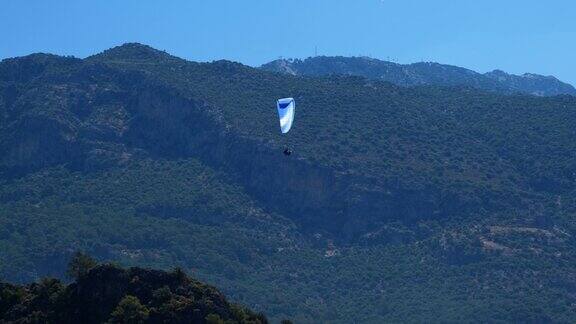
{"x":466,"y":143}
{"x":422,"y":73}
{"x":414,"y":204}
{"x":110,"y":294}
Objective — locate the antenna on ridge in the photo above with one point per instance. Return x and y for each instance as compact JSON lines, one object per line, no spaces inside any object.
{"x":315,"y":51}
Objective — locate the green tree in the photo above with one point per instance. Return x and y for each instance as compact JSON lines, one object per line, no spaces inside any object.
{"x":180,"y":274}
{"x":130,"y":310}
{"x":214,"y":319}
{"x":79,"y":265}
{"x":261,"y":318}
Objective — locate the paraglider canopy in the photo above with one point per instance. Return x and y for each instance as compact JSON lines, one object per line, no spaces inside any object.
{"x":286,"y":109}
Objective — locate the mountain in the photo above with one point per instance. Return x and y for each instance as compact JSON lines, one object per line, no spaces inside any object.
{"x":424,"y":73}
{"x":110,"y":294}
{"x":399,"y":204}
{"x":532,"y":83}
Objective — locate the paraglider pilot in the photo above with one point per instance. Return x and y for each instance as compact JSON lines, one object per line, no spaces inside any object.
{"x":286,"y":108}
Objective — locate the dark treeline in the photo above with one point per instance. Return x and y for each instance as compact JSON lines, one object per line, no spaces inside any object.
{"x":109,"y":294}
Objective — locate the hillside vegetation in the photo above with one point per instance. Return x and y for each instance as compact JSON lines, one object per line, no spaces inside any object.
{"x":410,"y":204}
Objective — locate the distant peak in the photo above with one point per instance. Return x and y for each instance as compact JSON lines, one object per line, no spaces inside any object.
{"x":134,"y":46}
{"x":538,"y":76}
{"x":42,"y":58}
{"x":501,"y":74}
{"x":497,"y":72}
{"x":26,"y":68}
{"x":132,"y":52}
{"x":421,"y":73}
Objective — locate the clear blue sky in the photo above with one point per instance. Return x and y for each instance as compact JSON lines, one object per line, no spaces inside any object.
{"x":512,"y":35}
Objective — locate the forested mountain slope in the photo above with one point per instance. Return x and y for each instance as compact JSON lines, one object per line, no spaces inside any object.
{"x":413,"y":204}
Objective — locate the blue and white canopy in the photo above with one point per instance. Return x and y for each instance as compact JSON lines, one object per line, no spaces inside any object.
{"x":286,"y":109}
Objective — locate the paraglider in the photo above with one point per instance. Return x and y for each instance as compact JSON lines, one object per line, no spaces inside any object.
{"x":286,"y":107}
{"x":286,"y":110}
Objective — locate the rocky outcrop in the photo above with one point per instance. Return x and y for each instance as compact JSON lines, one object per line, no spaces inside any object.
{"x":534,"y":84}
{"x":422,"y":73}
